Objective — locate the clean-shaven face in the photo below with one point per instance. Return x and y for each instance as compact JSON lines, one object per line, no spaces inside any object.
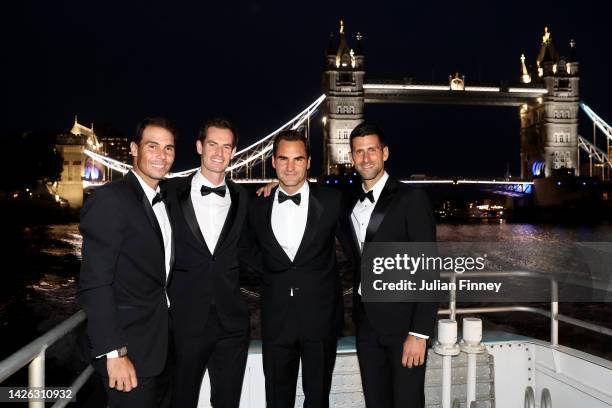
{"x":154,"y":155}
{"x":216,"y":150}
{"x":369,"y":156}
{"x":291,"y":163}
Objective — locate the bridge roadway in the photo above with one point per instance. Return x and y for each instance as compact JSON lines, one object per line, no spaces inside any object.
{"x":440,"y":93}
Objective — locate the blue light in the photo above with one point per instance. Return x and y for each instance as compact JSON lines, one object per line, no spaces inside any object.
{"x":558,"y":184}
{"x":537,"y":168}
{"x":336,"y":181}
{"x":350,"y":181}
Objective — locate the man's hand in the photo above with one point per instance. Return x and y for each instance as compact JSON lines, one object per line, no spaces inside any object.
{"x":267,"y":189}
{"x":414,"y":351}
{"x":121,"y":374}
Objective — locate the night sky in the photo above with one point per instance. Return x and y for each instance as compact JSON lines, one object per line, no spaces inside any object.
{"x":259,"y":63}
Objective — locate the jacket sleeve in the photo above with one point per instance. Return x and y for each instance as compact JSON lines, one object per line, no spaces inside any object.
{"x":249,"y":253}
{"x":102,"y":229}
{"x":421,"y":227}
{"x":344,"y":235}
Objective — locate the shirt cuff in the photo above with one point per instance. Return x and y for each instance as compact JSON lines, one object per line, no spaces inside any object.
{"x":111,"y":354}
{"x":418,"y":335}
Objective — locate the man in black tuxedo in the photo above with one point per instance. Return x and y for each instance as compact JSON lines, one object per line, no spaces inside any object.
{"x":391,"y":337}
{"x":294,"y":231}
{"x":127,"y":257}
{"x":210,"y":318}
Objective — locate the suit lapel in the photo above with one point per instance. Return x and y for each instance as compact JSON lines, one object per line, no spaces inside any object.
{"x":269,"y":231}
{"x":231,"y":216}
{"x":184,"y":198}
{"x":146,"y":205}
{"x":381,"y":208}
{"x":315,"y":209}
{"x":172,"y":241}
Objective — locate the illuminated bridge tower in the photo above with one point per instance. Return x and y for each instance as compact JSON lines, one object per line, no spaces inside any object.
{"x":77,"y":168}
{"x":343,"y":85}
{"x":549,"y":124}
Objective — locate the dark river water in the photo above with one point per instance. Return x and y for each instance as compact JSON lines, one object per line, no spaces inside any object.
{"x":41,"y":265}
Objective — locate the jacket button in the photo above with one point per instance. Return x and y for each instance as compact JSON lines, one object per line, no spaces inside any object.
{"x":214,"y":258}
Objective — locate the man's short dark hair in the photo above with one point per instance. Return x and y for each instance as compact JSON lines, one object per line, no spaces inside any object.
{"x":366,"y":129}
{"x":155,"y":121}
{"x":218,"y":123}
{"x":290,"y":136}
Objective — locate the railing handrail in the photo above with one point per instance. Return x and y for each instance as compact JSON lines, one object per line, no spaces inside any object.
{"x":34,"y":349}
{"x":26,"y":354}
{"x":586,"y":283}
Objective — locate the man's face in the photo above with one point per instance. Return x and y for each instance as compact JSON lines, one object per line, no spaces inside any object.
{"x":368,"y":156}
{"x":154,"y":155}
{"x":291,"y":163}
{"x":216,"y":150}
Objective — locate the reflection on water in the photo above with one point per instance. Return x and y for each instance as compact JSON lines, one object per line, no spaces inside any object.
{"x":39,"y":288}
{"x":501,"y":231}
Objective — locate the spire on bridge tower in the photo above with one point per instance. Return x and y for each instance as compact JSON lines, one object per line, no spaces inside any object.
{"x":548,"y":56}
{"x":572,"y":56}
{"x":343,"y":52}
{"x":525,"y":77}
{"x":572,"y":61}
{"x":359,"y":46}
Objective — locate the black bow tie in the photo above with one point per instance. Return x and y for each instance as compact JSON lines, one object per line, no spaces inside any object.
{"x":369,"y":195}
{"x":158,"y":198}
{"x":220,"y":191}
{"x":282,"y":197}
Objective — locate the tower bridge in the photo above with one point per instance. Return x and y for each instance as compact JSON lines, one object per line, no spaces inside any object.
{"x":546,"y":96}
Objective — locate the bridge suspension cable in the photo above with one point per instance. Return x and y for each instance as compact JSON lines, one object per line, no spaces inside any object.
{"x":262,"y":149}
{"x":243,"y":159}
{"x":594,"y":152}
{"x":599,"y":122}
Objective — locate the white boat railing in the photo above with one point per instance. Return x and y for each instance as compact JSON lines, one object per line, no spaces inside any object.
{"x":553,"y":313}
{"x":33,"y":354}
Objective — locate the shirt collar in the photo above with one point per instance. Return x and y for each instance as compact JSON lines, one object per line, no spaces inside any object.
{"x":304,"y":190}
{"x":149,"y":192}
{"x":199,"y":180}
{"x":378,"y":187}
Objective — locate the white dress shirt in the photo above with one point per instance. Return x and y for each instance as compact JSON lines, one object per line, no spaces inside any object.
{"x":210,"y":210}
{"x":360,"y":218}
{"x":159,"y":209}
{"x":162,"y":219}
{"x":289,"y":221}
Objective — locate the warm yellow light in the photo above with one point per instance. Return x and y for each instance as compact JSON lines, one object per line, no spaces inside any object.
{"x":540,"y":99}
{"x":324,"y":120}
{"x":546,"y":36}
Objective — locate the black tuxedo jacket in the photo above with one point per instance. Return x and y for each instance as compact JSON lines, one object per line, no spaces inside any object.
{"x":201,"y":278}
{"x":313,"y":274}
{"x":401,"y":214}
{"x":122,"y":285}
